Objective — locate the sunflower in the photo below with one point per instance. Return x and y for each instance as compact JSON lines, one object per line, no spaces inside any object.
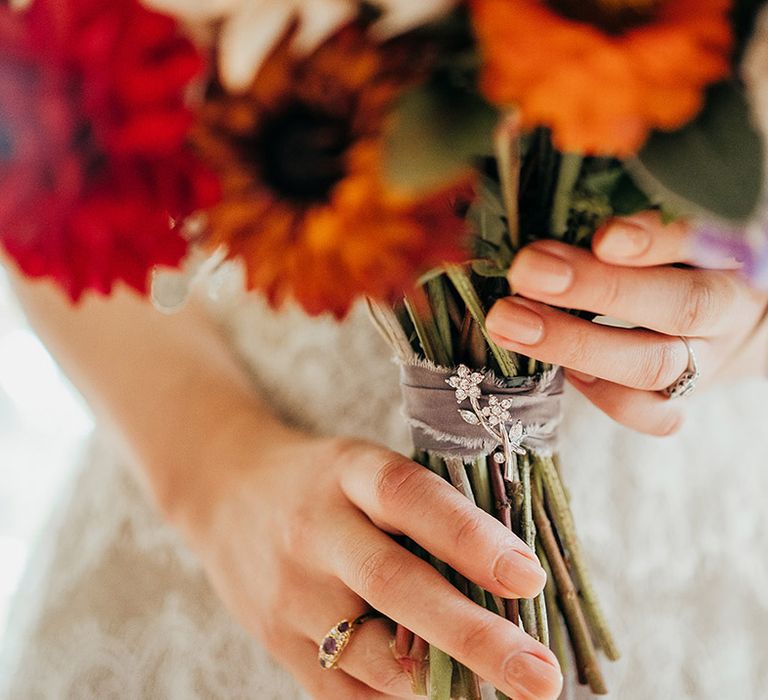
{"x":602,"y":73}
{"x":299,"y":155}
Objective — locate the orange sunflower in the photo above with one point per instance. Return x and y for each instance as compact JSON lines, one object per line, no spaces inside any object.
{"x":305,"y":205}
{"x":602,"y":73}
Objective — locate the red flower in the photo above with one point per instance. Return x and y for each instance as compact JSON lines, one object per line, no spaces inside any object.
{"x":94,"y":165}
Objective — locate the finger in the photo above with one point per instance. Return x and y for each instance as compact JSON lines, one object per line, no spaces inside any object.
{"x":670,"y":300}
{"x":407,"y":497}
{"x":643,"y":240}
{"x":323,"y":684}
{"x":413,"y":593}
{"x":368,"y":656}
{"x":636,"y":358}
{"x":645,"y":411}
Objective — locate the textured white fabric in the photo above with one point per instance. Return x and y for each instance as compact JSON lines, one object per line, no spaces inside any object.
{"x":116,"y":607}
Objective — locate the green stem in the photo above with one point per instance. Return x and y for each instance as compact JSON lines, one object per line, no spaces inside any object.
{"x":556,"y":634}
{"x":466,"y":684}
{"x":566,"y":531}
{"x":508,"y":161}
{"x":439,"y":304}
{"x":584,"y":650}
{"x":424,"y":324}
{"x":481,"y":484}
{"x":468,"y":294}
{"x":570,"y":167}
{"x":440,"y":674}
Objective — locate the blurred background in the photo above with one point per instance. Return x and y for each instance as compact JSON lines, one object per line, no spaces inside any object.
{"x":43,"y":427}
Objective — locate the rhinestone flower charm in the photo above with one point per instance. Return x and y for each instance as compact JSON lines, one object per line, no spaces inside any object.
{"x":467,"y":383}
{"x":494,"y":417}
{"x":496,"y":411}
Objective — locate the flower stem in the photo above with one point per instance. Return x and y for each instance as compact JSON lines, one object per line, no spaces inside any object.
{"x":461,"y":281}
{"x":556,"y":635}
{"x":508,"y":160}
{"x":440,"y":674}
{"x":584,"y":650}
{"x":481,"y":485}
{"x":570,"y":167}
{"x":566,"y":531}
{"x":503,"y":512}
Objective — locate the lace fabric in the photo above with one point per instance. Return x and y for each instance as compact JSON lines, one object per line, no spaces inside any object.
{"x":116,"y":606}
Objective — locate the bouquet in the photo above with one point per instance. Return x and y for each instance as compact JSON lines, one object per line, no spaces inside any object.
{"x":402,"y":153}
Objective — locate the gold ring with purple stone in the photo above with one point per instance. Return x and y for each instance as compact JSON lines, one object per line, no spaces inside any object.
{"x":338,"y":637}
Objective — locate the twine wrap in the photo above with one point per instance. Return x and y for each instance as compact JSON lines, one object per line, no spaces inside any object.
{"x":434,"y":413}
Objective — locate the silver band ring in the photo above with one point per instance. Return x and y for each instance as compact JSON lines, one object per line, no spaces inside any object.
{"x":686,"y":382}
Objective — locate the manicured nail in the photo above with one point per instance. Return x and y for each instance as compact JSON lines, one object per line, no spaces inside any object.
{"x":624,"y":239}
{"x":520,"y":575}
{"x":583,"y":378}
{"x":537,"y":271}
{"x":512,"y":320}
{"x":533,"y":678}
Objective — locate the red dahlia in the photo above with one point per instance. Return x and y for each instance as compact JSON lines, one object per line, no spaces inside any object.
{"x":94,"y":165}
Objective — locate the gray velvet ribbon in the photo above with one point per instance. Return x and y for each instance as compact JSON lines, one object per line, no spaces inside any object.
{"x":434,"y":411}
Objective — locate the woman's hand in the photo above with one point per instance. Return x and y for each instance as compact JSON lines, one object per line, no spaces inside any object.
{"x":629,"y":276}
{"x":296,"y":541}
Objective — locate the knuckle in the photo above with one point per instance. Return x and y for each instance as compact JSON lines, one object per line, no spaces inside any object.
{"x":378,"y":574}
{"x":468,"y":530}
{"x":578,"y":350}
{"x":393,"y":482}
{"x":699,"y":306}
{"x":659,"y":365}
{"x":610,"y":291}
{"x":474,"y":638}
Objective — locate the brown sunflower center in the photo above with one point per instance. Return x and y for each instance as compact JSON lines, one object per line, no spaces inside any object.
{"x":300,"y":151}
{"x":612,"y":16}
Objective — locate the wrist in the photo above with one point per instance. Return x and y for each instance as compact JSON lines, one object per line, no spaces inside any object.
{"x":193,"y":495}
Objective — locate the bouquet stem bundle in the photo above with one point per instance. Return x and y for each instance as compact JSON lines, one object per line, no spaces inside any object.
{"x":443,"y":321}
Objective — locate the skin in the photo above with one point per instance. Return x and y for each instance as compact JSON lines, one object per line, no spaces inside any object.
{"x":293,"y":529}
{"x":629,"y":276}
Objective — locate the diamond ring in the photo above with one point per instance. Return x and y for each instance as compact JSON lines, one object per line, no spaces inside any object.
{"x":686,"y":382}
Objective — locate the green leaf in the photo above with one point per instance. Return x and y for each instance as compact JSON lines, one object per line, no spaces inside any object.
{"x":627,"y":199}
{"x":436,"y":133}
{"x":714,"y":165}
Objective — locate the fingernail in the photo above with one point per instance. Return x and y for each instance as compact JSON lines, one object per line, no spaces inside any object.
{"x":533,"y":678}
{"x":520,"y":575}
{"x":583,"y":378}
{"x":624,"y":239}
{"x":512,"y":320}
{"x":535,"y":270}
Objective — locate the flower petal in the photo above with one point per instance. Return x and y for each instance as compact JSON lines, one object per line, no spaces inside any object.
{"x":248,"y":36}
{"x":401,"y":16}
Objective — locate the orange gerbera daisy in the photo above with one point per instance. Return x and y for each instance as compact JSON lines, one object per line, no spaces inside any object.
{"x":304,"y":202}
{"x":602,"y":73}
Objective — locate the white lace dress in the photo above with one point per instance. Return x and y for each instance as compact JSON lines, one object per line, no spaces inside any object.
{"x":115,"y":607}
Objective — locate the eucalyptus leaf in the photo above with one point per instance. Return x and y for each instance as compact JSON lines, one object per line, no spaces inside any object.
{"x":435,"y":135}
{"x":714,"y":165}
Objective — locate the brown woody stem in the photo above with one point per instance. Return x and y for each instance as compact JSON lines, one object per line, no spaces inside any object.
{"x":566,"y":531}
{"x":503,"y":512}
{"x":584,"y":649}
